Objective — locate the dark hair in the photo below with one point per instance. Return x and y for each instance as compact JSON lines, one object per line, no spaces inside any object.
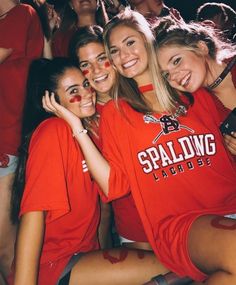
{"x":84,"y":36}
{"x":69,"y":17}
{"x":227,"y":14}
{"x":44,"y":74}
{"x":43,"y":16}
{"x":209,"y":10}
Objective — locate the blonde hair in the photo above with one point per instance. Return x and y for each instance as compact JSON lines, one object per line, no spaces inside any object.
{"x":127,"y":88}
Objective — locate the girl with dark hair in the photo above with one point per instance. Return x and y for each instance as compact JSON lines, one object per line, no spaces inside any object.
{"x":53,"y":194}
{"x":167,"y":149}
{"x":75,"y":14}
{"x":193,"y":56}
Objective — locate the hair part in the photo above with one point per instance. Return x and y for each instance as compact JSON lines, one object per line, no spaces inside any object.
{"x":84,"y":36}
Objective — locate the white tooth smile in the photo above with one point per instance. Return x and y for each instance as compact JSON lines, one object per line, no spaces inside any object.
{"x":185,"y":81}
{"x":101,"y":78}
{"x":130,"y":63}
{"x":88,"y":104}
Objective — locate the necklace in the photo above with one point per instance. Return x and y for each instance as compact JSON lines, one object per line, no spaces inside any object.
{"x":223,"y":74}
{"x":145,"y":88}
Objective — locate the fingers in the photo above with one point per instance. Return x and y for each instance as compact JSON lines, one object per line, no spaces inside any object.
{"x":49,"y":103}
{"x":230,"y":141}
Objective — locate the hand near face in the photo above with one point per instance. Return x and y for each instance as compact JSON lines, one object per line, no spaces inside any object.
{"x":50,"y":105}
{"x":230,"y":141}
{"x":4,"y":53}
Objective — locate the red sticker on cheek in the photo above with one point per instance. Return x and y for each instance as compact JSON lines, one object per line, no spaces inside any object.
{"x":92,"y":89}
{"x":85,"y":72}
{"x":76,"y":98}
{"x":107,"y":64}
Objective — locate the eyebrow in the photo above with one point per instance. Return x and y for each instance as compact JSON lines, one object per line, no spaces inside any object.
{"x":172,"y":57}
{"x":124,"y":40}
{"x":102,"y":53}
{"x":72,"y":86}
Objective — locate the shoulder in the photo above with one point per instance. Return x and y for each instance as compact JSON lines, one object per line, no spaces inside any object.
{"x":25,"y":9}
{"x":51,"y":129}
{"x":116,"y":109}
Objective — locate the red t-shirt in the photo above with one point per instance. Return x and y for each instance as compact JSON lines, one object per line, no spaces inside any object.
{"x":60,"y":42}
{"x":127,"y":221}
{"x":58,"y":182}
{"x":21,"y":31}
{"x":177,"y":170}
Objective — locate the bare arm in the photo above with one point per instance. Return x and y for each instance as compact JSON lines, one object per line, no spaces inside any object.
{"x":28,"y":249}
{"x":97,"y":164}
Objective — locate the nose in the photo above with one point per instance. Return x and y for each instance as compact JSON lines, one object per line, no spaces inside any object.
{"x":124,"y":53}
{"x":174,"y":76}
{"x":85,"y":92}
{"x":96,"y":67}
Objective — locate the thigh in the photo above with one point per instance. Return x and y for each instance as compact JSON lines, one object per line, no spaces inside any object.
{"x":212,"y":243}
{"x":6,"y":227}
{"x":116,"y":266}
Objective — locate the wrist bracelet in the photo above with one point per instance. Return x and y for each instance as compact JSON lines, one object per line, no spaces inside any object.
{"x":79,"y":132}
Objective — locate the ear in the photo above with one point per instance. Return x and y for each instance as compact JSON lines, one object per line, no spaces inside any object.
{"x":203,"y":47}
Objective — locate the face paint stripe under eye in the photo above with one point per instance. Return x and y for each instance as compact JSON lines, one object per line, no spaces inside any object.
{"x":107,"y":64}
{"x":85,"y":72}
{"x":75,"y":99}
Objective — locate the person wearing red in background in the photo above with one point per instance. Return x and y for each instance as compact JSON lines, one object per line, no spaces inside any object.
{"x":165,"y":147}
{"x":87,"y":47}
{"x":75,"y":14}
{"x":21,"y":41}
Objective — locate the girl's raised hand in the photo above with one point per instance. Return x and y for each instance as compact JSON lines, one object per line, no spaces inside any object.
{"x":51,"y":105}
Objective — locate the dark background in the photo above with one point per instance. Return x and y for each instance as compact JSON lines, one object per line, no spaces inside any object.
{"x":188,"y":8}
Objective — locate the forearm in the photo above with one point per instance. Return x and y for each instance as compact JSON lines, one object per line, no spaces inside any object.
{"x":97,"y":164}
{"x":28,"y":248}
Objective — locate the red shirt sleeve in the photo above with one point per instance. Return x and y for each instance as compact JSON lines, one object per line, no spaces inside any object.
{"x":45,"y":188}
{"x":118,"y":181}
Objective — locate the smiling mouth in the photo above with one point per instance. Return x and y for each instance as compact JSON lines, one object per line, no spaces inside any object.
{"x":129,"y":63}
{"x":101,"y":78}
{"x":87,"y":104}
{"x":185,"y":81}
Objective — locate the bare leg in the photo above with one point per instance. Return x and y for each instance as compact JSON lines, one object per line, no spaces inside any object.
{"x":7,"y":230}
{"x":117,"y":267}
{"x":212,"y":248}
